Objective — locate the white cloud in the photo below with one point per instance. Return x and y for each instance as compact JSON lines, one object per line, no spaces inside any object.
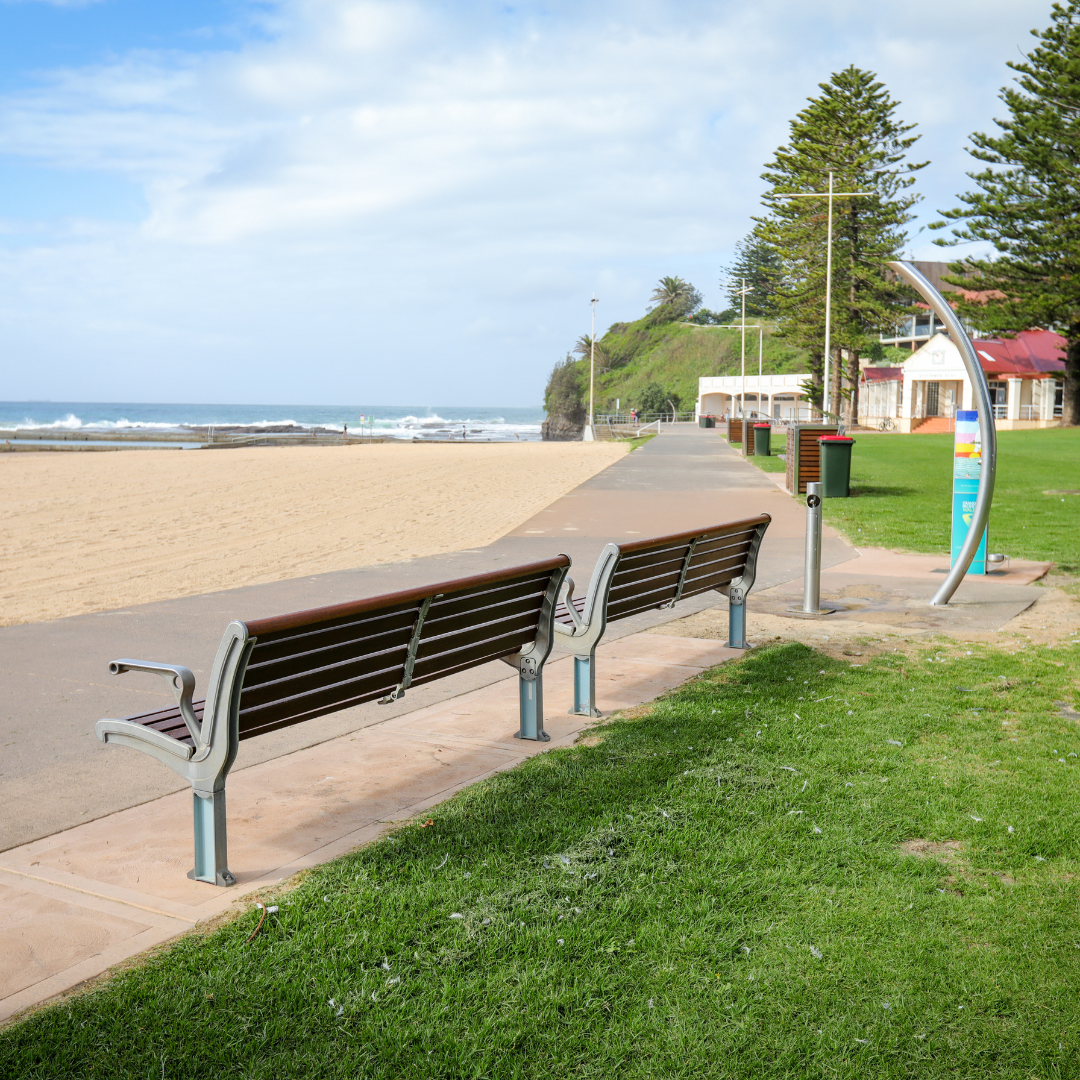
{"x":444,"y":185}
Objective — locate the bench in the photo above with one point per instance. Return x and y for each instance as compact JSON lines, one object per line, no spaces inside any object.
{"x":272,"y":673}
{"x":657,"y":573}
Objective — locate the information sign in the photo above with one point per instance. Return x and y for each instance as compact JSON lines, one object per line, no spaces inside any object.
{"x":967,"y":467}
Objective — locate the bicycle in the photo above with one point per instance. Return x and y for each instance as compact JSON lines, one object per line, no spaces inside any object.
{"x":887,"y":424}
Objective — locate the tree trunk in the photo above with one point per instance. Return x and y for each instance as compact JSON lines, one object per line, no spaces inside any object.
{"x":1070,"y":412}
{"x":835,"y":373}
{"x":852,"y":411}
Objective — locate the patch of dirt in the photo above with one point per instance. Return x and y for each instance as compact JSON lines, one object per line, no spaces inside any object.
{"x":588,"y":740}
{"x":946,"y":851}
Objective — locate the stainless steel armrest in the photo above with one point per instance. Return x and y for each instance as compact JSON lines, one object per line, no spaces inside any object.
{"x":575,"y":618}
{"x":182,"y":681}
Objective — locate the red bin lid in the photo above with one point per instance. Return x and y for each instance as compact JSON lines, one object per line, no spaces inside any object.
{"x":835,"y":438}
{"x":763,"y":425}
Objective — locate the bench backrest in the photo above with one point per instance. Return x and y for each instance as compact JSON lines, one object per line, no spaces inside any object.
{"x":315,"y":662}
{"x":662,"y":570}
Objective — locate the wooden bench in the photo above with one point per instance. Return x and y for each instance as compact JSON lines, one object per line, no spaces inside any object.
{"x":657,"y":573}
{"x":272,"y":673}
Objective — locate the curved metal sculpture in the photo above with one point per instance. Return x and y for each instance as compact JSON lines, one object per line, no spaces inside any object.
{"x":986,"y":424}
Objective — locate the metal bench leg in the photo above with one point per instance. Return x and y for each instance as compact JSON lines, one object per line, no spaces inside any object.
{"x":531,"y":697}
{"x":736,"y":621}
{"x":211,"y":849}
{"x":585,"y":687}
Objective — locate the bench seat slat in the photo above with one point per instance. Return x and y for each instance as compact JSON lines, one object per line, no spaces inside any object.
{"x":169,"y":721}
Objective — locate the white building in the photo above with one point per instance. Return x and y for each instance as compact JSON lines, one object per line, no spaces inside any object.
{"x":922,"y":394}
{"x":777,"y":397}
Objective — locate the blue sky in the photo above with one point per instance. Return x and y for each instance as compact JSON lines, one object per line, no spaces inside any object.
{"x":339,"y":201}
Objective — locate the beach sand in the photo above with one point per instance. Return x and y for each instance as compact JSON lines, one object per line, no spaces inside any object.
{"x":83,"y":532}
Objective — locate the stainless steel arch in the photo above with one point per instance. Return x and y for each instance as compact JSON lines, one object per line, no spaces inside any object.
{"x":986,"y":424}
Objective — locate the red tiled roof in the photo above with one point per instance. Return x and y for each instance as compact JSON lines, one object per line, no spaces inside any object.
{"x":1031,"y":352}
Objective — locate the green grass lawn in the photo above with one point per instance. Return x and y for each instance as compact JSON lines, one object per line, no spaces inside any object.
{"x":716,"y":888}
{"x":902,"y":494}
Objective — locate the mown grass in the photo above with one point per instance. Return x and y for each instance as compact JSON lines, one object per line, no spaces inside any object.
{"x":902,"y":494}
{"x":714,"y":889}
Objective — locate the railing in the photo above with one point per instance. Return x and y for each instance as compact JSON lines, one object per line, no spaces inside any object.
{"x":1001,"y":412}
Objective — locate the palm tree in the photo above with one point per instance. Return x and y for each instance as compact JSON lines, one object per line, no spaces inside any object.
{"x":583,"y":347}
{"x":669,"y":290}
{"x":679,"y":297}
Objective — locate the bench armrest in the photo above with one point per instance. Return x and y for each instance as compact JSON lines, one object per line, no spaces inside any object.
{"x":166,"y":749}
{"x":182,"y":681}
{"x":575,"y":618}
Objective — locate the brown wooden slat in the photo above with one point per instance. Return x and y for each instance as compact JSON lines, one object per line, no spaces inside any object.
{"x":311,"y":639}
{"x":384,"y":645}
{"x":169,"y":721}
{"x":439,"y":623}
{"x":295,"y":620}
{"x":621,"y":581}
{"x":521,"y":626}
{"x":478,"y":599}
{"x":445,"y":663}
{"x":304,"y":704}
{"x":685,"y":537}
{"x":312,"y":679}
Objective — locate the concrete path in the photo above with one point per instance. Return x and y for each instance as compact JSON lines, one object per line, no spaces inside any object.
{"x":53,"y":772}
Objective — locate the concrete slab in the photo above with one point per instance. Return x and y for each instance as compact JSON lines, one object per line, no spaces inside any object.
{"x":82,"y":900}
{"x":874,"y":562}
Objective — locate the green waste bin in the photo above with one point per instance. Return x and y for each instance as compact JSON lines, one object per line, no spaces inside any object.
{"x":835,"y":466}
{"x":707,"y":421}
{"x":762,"y":438}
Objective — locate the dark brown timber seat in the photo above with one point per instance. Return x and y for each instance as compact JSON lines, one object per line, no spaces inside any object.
{"x":272,"y":673}
{"x":657,"y":573}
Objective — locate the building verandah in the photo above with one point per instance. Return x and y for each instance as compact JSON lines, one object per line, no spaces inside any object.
{"x":773,"y":397}
{"x":1023,"y":373}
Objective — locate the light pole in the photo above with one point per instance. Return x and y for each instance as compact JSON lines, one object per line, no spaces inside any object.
{"x":742,"y":396}
{"x":590,"y":433}
{"x":827,"y":390}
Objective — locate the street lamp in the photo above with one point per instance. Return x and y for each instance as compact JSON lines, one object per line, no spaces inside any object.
{"x":589,"y":435}
{"x":827,"y":395}
{"x":742,"y":396}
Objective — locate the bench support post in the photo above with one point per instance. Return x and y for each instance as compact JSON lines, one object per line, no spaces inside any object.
{"x":585,"y":687}
{"x":736,"y":620}
{"x":211,"y":848}
{"x":531,"y":699}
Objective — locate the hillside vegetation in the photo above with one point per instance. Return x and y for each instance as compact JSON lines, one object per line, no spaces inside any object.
{"x":674,"y":356}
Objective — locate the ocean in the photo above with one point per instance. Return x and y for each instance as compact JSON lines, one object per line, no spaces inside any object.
{"x":406,"y":422}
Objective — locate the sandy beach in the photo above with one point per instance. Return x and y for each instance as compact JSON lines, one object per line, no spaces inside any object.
{"x":84,"y":532}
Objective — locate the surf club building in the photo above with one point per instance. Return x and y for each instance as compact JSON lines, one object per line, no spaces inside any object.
{"x":774,"y":397}
{"x":1025,"y":375}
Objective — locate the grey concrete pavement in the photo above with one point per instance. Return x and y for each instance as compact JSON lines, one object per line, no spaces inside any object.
{"x":55,"y":683}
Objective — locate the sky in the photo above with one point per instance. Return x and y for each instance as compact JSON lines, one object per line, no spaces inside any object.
{"x":355,"y":201}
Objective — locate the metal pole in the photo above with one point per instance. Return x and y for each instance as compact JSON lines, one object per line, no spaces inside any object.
{"x":742,"y":395}
{"x":827,"y":392}
{"x":986,"y":423}
{"x":811,"y":604}
{"x":592,"y":367}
